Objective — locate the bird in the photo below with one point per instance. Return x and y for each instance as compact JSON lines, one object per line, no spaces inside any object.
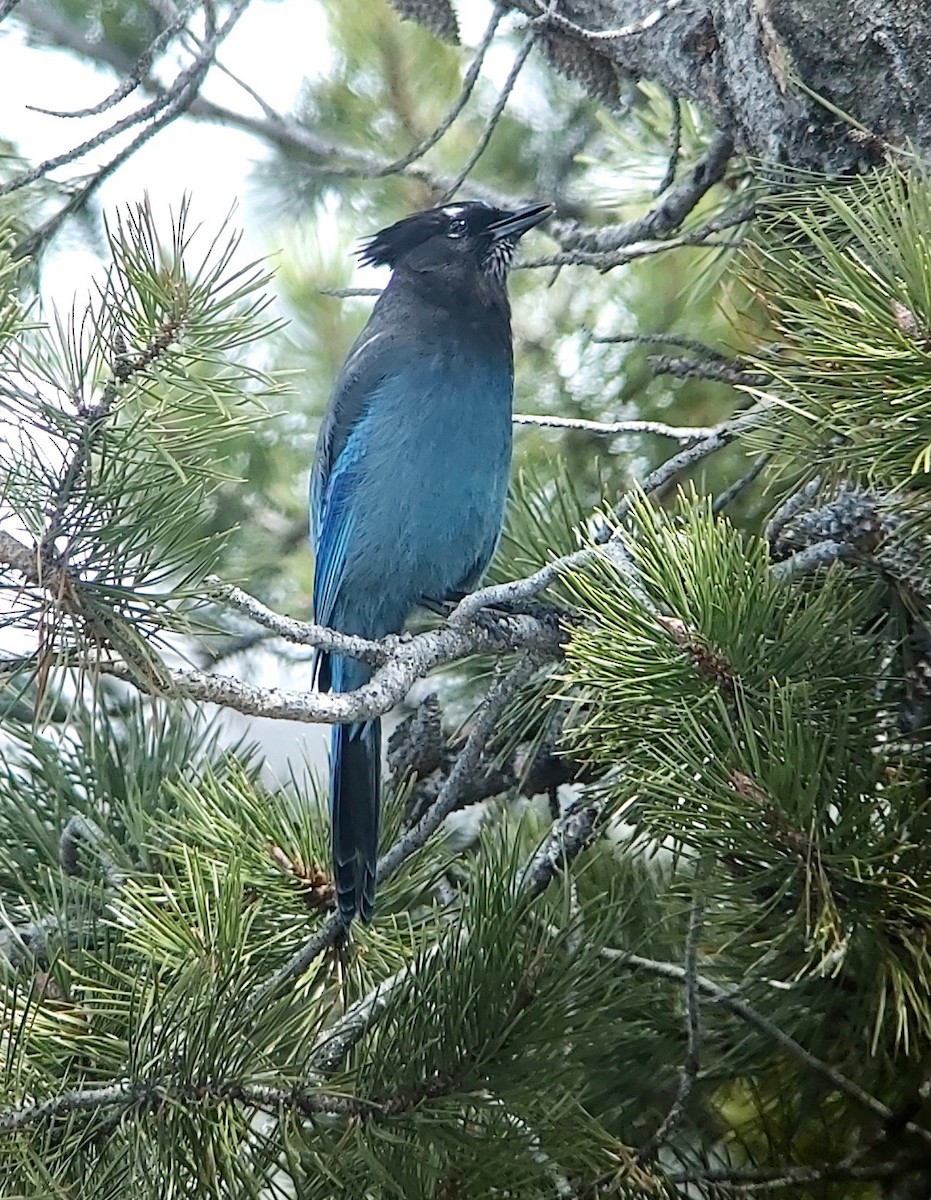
{"x":410,"y":474}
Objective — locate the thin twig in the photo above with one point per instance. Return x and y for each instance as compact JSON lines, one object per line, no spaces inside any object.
{"x":644,"y":24}
{"x":662,"y":339}
{"x":331,"y":1047}
{"x":135,"y":77}
{"x":690,"y":368}
{"x":664,"y":217}
{"x":750,"y":1016}
{"x":678,"y":433}
{"x":730,"y":494}
{"x":468,"y":86}
{"x":606,"y":260}
{"x":676,"y":147}
{"x":300,"y":633}
{"x":504,"y":594}
{"x":689,"y":1071}
{"x":162,"y":111}
{"x":191,"y":73}
{"x":497,"y":109}
{"x":812,"y":558}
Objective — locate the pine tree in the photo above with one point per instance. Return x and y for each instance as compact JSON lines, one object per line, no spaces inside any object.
{"x":655,"y":897}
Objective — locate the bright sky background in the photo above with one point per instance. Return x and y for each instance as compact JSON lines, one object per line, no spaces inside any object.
{"x":274,"y":47}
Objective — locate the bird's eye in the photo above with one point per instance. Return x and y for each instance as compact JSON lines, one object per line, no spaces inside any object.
{"x":457,"y":227}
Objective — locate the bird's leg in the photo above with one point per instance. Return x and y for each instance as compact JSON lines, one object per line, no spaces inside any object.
{"x":440,"y":608}
{"x":488,"y":617}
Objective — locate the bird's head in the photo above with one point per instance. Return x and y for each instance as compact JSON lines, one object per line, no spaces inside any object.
{"x":458,"y":243}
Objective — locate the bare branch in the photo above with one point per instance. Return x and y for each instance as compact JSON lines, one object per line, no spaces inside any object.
{"x":23,"y":559}
{"x":663,"y":339}
{"x":750,"y":1016}
{"x":301,"y":633}
{"x":335,"y":160}
{"x":676,"y":147}
{"x":721,"y":372}
{"x":813,"y":557}
{"x":191,"y":75}
{"x":555,"y":18}
{"x":689,"y":1071}
{"x":665,"y":216}
{"x":606,"y":260}
{"x":406,"y":661}
{"x":127,"y":1095}
{"x":678,"y":433}
{"x":497,"y":110}
{"x":730,"y":494}
{"x":568,"y":837}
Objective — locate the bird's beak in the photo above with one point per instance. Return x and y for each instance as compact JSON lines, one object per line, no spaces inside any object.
{"x":517,"y":223}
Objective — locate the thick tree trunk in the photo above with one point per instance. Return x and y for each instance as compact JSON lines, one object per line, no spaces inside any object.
{"x":754,"y":65}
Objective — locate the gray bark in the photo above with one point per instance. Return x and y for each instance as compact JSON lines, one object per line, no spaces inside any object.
{"x":748,"y":62}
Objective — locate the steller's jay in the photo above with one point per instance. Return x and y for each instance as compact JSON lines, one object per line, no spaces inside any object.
{"x":411,"y":471}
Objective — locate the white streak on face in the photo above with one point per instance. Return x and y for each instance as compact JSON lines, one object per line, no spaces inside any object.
{"x":498,"y":259}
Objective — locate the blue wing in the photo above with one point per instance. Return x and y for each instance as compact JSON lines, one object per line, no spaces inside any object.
{"x":331,"y":509}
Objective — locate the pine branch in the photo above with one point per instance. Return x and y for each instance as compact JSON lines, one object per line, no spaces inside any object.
{"x":664,"y":217}
{"x":493,"y":705}
{"x":717,"y":994}
{"x":154,"y":1095}
{"x":569,"y":835}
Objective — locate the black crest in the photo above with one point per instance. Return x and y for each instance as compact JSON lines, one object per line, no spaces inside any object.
{"x":469,"y":226}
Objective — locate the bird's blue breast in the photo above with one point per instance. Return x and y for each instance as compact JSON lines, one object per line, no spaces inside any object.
{"x":412,"y":506}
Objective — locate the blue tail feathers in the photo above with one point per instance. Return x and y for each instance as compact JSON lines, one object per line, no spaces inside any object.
{"x":355,"y":768}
